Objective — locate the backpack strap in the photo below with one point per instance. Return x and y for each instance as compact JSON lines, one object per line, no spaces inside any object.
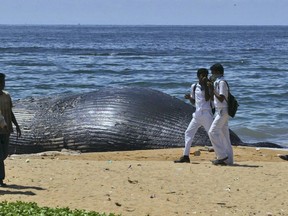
{"x":194,"y":89}
{"x":226,"y":84}
{"x":228,"y":89}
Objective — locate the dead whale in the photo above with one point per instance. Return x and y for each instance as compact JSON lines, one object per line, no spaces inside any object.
{"x":109,"y":119}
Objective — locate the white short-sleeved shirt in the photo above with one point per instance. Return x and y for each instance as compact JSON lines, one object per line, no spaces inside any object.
{"x":220,"y":88}
{"x":200,"y":102}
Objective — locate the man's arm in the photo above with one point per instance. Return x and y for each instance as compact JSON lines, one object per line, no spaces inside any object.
{"x":16,"y":124}
{"x":222,"y":88}
{"x":221,"y":97}
{"x":207,"y":90}
{"x":188,"y":96}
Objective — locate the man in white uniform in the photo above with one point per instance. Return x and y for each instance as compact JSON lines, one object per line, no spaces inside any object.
{"x":202,"y":116}
{"x":219,"y":130}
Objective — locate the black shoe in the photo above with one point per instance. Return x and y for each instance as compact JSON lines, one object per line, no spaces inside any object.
{"x":183,"y":159}
{"x":284,"y":157}
{"x":220,"y":162}
{"x":2,"y":184}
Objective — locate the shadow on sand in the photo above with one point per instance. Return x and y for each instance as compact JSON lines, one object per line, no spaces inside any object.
{"x":17,"y":190}
{"x":246,"y":165}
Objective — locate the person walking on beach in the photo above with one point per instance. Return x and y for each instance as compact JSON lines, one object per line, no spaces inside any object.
{"x":202,"y":116}
{"x":7,"y":117}
{"x":219,"y":130}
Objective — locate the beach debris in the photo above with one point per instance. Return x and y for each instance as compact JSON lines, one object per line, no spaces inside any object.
{"x":206,"y":148}
{"x":171,"y":192}
{"x":221,"y":203}
{"x":49,"y":153}
{"x":197,"y":153}
{"x":209,"y":148}
{"x":27,"y":160}
{"x":132,"y":181}
{"x":130,"y":166}
{"x":129,"y":209}
{"x":70,"y":152}
{"x":153,"y":196}
{"x":109,"y":196}
{"x":228,"y":188}
{"x":118,"y":204}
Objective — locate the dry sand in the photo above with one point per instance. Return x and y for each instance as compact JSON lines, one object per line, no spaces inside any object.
{"x":149,"y":183}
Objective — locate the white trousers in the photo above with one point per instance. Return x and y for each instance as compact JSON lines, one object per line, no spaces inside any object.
{"x":201,"y":118}
{"x":220,"y":137}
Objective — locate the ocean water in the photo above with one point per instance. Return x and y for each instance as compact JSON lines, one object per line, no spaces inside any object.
{"x":43,"y":60}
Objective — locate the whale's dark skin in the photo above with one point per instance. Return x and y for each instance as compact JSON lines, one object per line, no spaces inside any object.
{"x":110,"y":119}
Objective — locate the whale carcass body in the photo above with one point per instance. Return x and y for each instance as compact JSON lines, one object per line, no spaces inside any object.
{"x":109,"y":119}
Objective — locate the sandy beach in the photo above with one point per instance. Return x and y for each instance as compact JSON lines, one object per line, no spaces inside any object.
{"x":149,"y":183}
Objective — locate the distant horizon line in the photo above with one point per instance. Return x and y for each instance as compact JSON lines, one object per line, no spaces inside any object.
{"x":131,"y":25}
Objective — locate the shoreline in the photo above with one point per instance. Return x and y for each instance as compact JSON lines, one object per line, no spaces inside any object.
{"x":148,"y":182}
{"x":241,"y":153}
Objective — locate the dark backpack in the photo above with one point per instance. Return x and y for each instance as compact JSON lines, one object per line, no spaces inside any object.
{"x":232,"y":103}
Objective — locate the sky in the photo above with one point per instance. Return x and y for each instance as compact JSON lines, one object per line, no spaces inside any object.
{"x":144,"y":12}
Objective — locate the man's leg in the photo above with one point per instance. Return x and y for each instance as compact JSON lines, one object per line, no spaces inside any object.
{"x":216,"y":134}
{"x":2,"y":158}
{"x":206,"y":121}
{"x":227,"y":143}
{"x":189,"y":135}
{"x":4,"y":143}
